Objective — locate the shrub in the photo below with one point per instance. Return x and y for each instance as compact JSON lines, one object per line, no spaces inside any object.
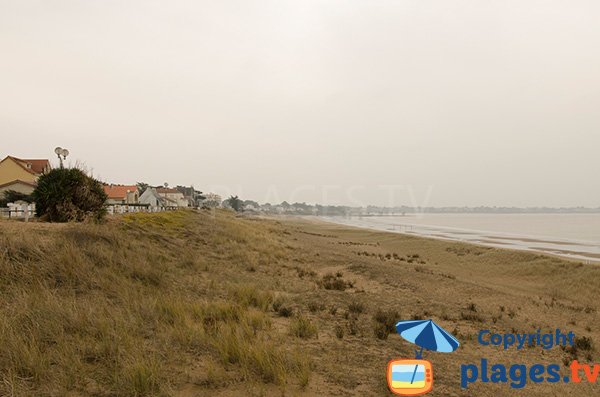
{"x":385,"y":323}
{"x":68,"y":194}
{"x":334,"y":282}
{"x":302,"y":327}
{"x":282,"y":308}
{"x":353,"y":326}
{"x":582,"y":346}
{"x":583,"y":343}
{"x":285,"y":311}
{"x":380,"y":331}
{"x":142,"y":379}
{"x":249,"y":295}
{"x":315,"y":307}
{"x":471,"y":316}
{"x":356,"y":307}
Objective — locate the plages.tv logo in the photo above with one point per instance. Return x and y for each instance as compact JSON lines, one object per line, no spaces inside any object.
{"x":414,"y":377}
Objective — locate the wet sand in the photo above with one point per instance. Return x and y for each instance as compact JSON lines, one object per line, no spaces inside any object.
{"x":568,"y":248}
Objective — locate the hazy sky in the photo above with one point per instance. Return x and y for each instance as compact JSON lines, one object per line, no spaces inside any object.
{"x":346,"y":102}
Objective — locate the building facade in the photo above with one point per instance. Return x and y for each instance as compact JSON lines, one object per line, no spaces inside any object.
{"x":121,"y":194}
{"x":21,"y":175}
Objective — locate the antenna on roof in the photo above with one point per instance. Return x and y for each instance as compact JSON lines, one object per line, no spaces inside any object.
{"x":61,"y":152}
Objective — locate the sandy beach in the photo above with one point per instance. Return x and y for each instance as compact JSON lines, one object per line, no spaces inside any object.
{"x":573,"y":236}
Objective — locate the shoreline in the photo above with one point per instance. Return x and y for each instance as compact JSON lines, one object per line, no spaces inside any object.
{"x":564,"y":248}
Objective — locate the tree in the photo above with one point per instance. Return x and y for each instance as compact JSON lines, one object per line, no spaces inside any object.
{"x":69,"y":194}
{"x":251,"y":203}
{"x":142,"y":186}
{"x":235,"y":203}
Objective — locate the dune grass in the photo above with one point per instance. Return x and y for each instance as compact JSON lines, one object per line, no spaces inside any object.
{"x":116,"y":309}
{"x":212,"y":303}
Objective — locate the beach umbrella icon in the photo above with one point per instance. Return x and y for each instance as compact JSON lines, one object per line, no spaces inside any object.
{"x":427,"y":335}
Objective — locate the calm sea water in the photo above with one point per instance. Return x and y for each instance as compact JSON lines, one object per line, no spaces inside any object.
{"x":571,"y":235}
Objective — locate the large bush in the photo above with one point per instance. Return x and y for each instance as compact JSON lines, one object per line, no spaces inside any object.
{"x":69,"y":194}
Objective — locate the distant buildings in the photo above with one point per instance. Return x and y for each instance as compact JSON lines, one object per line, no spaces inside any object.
{"x":151,"y":198}
{"x":121,"y":194}
{"x":172,"y":197}
{"x":193,"y":196}
{"x":124,"y":198}
{"x":21,"y":174}
{"x":212,"y":200}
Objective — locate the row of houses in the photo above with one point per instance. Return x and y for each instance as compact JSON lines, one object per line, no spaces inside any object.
{"x":151,"y":196}
{"x":21,"y":175}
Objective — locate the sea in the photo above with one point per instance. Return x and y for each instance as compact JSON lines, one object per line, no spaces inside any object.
{"x":575,"y":236}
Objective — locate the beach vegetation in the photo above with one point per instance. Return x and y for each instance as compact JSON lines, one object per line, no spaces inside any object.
{"x":161,"y":304}
{"x":69,"y":194}
{"x":385,"y":322}
{"x":302,"y":327}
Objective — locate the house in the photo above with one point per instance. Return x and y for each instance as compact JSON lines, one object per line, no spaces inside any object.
{"x":151,"y":198}
{"x":21,"y":174}
{"x":173,"y":196}
{"x":121,"y":194}
{"x":212,"y":200}
{"x":193,"y":196}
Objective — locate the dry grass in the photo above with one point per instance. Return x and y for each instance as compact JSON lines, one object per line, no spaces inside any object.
{"x":118,"y":309}
{"x":210,"y":303}
{"x":302,"y":327}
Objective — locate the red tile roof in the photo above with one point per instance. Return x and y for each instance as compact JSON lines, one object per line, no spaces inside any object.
{"x":33,"y":166}
{"x":118,"y":191}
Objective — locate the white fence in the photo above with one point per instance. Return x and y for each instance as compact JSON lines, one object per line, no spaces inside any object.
{"x":18,"y":211}
{"x":27,"y":211}
{"x":114,"y":209}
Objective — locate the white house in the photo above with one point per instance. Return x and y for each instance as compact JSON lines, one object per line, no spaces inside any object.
{"x":212,"y":200}
{"x":174,"y":196}
{"x":152,"y":198}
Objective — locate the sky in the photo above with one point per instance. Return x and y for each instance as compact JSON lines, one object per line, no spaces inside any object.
{"x":420,"y":102}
